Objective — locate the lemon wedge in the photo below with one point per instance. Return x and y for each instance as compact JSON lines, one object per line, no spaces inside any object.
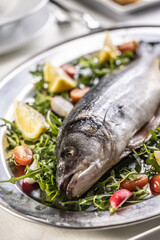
{"x":157,"y":156}
{"x":30,"y":122}
{"x":109,"y":50}
{"x":58,"y":80}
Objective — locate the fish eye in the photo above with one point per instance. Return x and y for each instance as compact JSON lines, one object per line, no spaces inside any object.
{"x":68,"y":153}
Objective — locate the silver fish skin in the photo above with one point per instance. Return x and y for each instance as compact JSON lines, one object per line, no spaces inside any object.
{"x":97,"y":131}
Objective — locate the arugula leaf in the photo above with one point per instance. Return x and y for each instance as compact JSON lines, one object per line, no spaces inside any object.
{"x":54,"y":122}
{"x":91,"y":72}
{"x":30,"y":174}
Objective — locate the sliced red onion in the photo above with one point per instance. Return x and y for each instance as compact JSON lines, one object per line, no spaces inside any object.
{"x":33,"y":166}
{"x":29,"y":180}
{"x":28,"y":188}
{"x":118,"y":198}
{"x":61,"y":106}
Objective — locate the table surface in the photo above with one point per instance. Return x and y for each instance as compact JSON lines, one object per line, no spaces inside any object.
{"x":12,"y":227}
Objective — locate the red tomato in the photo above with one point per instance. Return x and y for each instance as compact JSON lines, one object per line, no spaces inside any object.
{"x":19,"y":171}
{"x":77,"y":94}
{"x":129,"y":46}
{"x":140,"y":182}
{"x":155,"y":183}
{"x":154,"y":193}
{"x":22,"y":155}
{"x":70,"y":70}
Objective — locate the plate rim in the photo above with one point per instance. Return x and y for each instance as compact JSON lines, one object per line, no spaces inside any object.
{"x":3,"y":78}
{"x":4,"y":81}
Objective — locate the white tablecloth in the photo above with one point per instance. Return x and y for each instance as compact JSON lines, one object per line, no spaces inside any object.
{"x":12,"y":227}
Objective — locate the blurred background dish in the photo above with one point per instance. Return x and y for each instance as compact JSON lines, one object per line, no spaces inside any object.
{"x":11,"y":11}
{"x":132,"y":6}
{"x":17,"y":34}
{"x":65,"y":15}
{"x":125,"y":2}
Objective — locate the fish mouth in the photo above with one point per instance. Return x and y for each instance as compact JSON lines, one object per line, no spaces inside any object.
{"x":64,"y":184}
{"x":68,"y":184}
{"x":80,"y":181}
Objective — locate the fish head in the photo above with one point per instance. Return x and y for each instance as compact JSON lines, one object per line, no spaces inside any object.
{"x":82,"y":153}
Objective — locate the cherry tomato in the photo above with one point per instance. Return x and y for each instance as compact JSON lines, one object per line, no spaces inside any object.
{"x":19,"y":171}
{"x":22,"y":155}
{"x":77,"y":94}
{"x":129,"y":46}
{"x":154,"y":193}
{"x":140,"y":182}
{"x":155,"y":183}
{"x":70,"y":70}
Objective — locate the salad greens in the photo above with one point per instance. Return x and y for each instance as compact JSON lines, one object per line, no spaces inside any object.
{"x":44,"y":147}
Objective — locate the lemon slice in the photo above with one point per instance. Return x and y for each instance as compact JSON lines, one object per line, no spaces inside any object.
{"x":30,"y":122}
{"x":157,"y":156}
{"x":58,"y":80}
{"x":109,"y":50}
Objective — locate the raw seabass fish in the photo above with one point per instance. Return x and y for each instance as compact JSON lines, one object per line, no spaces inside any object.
{"x":105,"y":125}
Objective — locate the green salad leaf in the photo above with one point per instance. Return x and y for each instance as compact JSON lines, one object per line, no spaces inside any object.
{"x":97,"y":197}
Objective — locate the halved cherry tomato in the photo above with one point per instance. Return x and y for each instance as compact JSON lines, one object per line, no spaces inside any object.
{"x":140,"y":182}
{"x":19,"y":171}
{"x":77,"y":94}
{"x":70,"y":70}
{"x":22,"y":155}
{"x":155,"y":183}
{"x":129,"y":46}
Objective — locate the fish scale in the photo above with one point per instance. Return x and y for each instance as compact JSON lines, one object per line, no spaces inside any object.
{"x":119,"y":105}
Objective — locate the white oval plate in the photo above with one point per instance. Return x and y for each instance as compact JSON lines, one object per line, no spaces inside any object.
{"x":19,"y":84}
{"x":14,"y":10}
{"x":124,"y":9}
{"x":16,"y":35}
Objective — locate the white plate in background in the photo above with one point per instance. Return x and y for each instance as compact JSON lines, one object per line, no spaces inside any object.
{"x":133,"y":7}
{"x":14,"y":10}
{"x":17,"y":34}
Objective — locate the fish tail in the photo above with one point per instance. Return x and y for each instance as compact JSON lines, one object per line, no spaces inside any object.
{"x":149,"y":50}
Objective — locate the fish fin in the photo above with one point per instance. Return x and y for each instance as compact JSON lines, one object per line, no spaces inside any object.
{"x":143,"y":135}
